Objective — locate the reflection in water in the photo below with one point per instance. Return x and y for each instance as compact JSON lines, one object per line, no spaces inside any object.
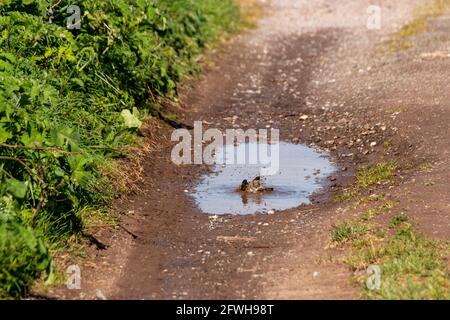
{"x":256,"y":198}
{"x":302,"y":171}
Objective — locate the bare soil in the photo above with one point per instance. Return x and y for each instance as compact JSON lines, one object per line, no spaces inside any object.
{"x":314,"y":58}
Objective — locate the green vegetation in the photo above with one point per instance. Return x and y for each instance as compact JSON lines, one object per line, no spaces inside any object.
{"x":378,"y":174}
{"x":373,"y":212}
{"x":70,"y":100}
{"x":369,"y":177}
{"x":398,"y":220}
{"x":412,"y":267}
{"x":24,"y":257}
{"x":401,"y":39}
{"x":349,"y":230}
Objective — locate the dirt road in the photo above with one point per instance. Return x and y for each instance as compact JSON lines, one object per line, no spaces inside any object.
{"x":313,"y":58}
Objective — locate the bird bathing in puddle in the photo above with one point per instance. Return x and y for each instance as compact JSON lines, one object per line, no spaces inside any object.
{"x":255,"y":186}
{"x":222,"y":191}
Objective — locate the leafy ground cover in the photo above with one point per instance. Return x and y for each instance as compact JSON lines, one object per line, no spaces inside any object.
{"x":71,"y":99}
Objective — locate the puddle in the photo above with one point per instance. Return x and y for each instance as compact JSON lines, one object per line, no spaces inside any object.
{"x":302,"y":171}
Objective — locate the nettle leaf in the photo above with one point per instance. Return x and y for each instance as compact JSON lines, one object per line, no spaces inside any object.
{"x":34,"y":138}
{"x":4,"y":134}
{"x":8,"y":56}
{"x":49,"y":95}
{"x":131,"y":119}
{"x":6,"y":66}
{"x":17,"y":188}
{"x":66,"y":138}
{"x":77,"y":82}
{"x":60,"y":172}
{"x":77,"y":165}
{"x":10,"y":85}
{"x":35,"y":90}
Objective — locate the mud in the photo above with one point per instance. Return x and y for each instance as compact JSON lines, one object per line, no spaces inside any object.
{"x":301,"y":171}
{"x":311,"y":69}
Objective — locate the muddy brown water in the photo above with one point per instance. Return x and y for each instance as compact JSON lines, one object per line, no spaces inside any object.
{"x":302,"y":172}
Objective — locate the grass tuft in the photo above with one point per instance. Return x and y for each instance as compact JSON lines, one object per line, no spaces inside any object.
{"x":412,"y":267}
{"x":380,"y":173}
{"x":368,"y":177}
{"x":348,"y":231}
{"x":401,"y":40}
{"x":398,"y":220}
